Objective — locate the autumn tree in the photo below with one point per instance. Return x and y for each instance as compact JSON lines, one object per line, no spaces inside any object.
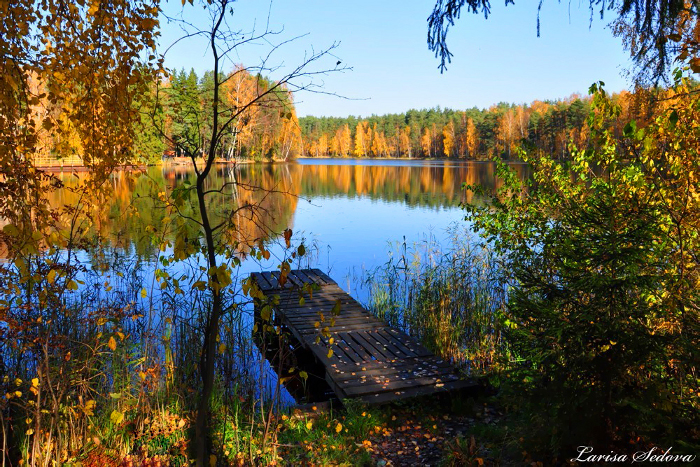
{"x":361,"y":142}
{"x":605,"y":240}
{"x":426,"y":142}
{"x":264,"y":103}
{"x":344,"y":140}
{"x":322,"y":146}
{"x":602,"y":291}
{"x":90,"y":74}
{"x":472,"y":137}
{"x":290,"y":136}
{"x":448,"y":138}
{"x":71,"y":75}
{"x":506,"y":131}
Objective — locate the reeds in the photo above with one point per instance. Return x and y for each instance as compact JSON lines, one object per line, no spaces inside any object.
{"x":109,"y":373}
{"x":451,"y":297}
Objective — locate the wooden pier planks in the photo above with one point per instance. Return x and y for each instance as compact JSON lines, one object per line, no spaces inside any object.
{"x":370,"y":361}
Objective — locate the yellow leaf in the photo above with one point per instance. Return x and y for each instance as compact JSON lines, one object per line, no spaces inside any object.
{"x":18,"y":393}
{"x":116,"y":417}
{"x":309,"y":424}
{"x":330,"y":353}
{"x":222,"y":348}
{"x":72,"y":285}
{"x":317,"y":324}
{"x":30,"y":432}
{"x":144,"y":293}
{"x":87,"y":408}
{"x":303,"y":375}
{"x":35,"y":382}
{"x":112,"y":344}
{"x":266,"y":313}
{"x":51,"y":276}
{"x":339,"y":428}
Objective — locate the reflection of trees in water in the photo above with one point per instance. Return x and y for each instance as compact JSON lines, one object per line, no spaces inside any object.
{"x":428,"y":186}
{"x":267,"y":195}
{"x":126,"y":208}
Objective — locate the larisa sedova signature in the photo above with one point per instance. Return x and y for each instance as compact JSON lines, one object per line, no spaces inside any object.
{"x":653,"y":455}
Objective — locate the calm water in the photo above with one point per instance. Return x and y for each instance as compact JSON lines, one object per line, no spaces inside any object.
{"x":350,"y":210}
{"x":351,"y":213}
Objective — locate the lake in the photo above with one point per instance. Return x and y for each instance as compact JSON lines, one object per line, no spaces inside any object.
{"x":351,"y":213}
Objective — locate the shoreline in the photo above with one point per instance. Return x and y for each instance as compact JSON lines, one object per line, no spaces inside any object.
{"x":188,"y":163}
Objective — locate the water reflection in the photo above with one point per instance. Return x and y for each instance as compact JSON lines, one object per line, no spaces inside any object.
{"x":264,"y":198}
{"x":421,"y":183}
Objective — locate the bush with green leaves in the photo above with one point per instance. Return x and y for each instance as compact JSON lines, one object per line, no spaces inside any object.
{"x":601,"y":257}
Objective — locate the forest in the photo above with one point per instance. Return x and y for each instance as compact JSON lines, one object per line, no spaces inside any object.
{"x":473,"y":134}
{"x":174,"y":113}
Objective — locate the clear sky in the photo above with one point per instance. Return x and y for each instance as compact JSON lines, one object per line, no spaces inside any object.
{"x":384,"y":42}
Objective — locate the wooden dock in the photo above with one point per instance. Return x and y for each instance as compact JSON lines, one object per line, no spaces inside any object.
{"x":363,"y":357}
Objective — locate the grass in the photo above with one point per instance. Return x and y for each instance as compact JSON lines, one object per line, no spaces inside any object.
{"x":450,"y":297}
{"x":334,"y":438}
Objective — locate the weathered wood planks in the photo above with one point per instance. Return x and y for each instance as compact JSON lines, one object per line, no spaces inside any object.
{"x":370,"y":361}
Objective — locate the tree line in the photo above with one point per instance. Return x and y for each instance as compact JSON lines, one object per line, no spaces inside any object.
{"x":548,"y":126}
{"x":174,"y":117}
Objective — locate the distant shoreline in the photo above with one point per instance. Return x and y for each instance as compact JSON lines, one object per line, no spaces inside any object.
{"x":188,"y":163}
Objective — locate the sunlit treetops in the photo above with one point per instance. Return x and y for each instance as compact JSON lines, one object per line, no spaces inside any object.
{"x":500,"y":130}
{"x":267,"y":130}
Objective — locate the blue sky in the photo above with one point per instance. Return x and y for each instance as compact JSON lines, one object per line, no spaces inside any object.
{"x":384,"y":41}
